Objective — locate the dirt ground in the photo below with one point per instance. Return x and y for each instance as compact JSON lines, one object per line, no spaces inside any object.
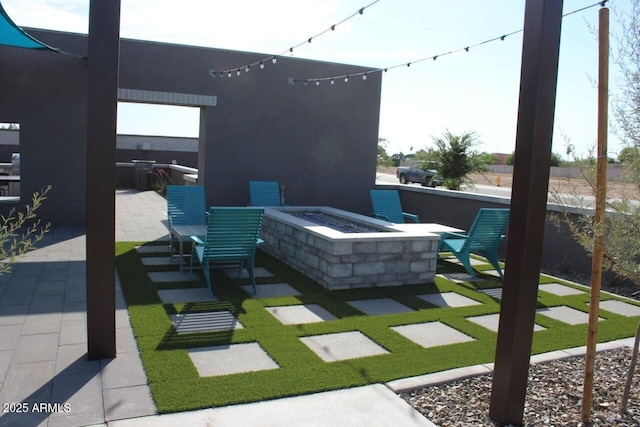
{"x":561,"y":185}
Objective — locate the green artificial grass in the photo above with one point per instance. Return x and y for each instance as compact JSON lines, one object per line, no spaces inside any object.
{"x":176,"y":385}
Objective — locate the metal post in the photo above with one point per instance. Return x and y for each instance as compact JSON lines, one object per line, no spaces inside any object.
{"x":538,"y":78}
{"x":102,"y":97}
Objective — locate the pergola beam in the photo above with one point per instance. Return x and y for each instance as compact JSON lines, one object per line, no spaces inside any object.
{"x":538,"y":80}
{"x":102,"y":98}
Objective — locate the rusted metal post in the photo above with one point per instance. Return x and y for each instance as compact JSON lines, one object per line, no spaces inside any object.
{"x":601,"y":200}
{"x":102,"y":98}
{"x":538,"y":78}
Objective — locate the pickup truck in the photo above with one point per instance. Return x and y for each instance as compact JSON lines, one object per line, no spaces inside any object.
{"x":413,"y":173}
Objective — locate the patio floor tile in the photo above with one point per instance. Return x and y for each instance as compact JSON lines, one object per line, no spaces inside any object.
{"x":171,"y":296}
{"x":128,"y":402}
{"x":342,"y":346}
{"x":495,"y":293}
{"x":432,"y":334}
{"x":271,"y":290}
{"x":257,"y":272}
{"x":559,"y":289}
{"x":448,"y":299}
{"x":157,"y":260}
{"x":566,"y":314}
{"x":459,"y":277}
{"x":379,"y":306}
{"x":153,"y":249}
{"x":474,"y":262}
{"x":298,"y":314}
{"x":490,"y":321}
{"x":621,"y":308}
{"x":172,"y":276}
{"x":205,"y":322}
{"x":230,"y":359}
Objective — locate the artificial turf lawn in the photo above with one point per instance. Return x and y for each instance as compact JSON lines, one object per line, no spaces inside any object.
{"x":176,"y":385}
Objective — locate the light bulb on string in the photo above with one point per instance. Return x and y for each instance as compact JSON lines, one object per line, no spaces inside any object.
{"x":346,"y":79}
{"x":364,"y":77}
{"x":261,"y":65}
{"x":246,"y":70}
{"x":274,"y":60}
{"x":238,"y":72}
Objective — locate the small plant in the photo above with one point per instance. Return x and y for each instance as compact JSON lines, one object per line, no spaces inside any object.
{"x":160,"y":181}
{"x":19,"y":234}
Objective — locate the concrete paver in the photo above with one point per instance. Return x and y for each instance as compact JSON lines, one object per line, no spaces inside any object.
{"x":230,"y":359}
{"x":379,"y":306}
{"x":448,"y":299}
{"x":432,"y":334}
{"x":342,"y":346}
{"x":299,"y":314}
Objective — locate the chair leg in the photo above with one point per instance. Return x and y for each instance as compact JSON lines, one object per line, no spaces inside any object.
{"x":466,"y":263}
{"x":207,"y":276}
{"x":493,"y":260}
{"x":252,"y":276}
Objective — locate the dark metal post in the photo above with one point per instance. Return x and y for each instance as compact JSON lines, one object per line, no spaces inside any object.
{"x":103,"y":59}
{"x":538,"y":78}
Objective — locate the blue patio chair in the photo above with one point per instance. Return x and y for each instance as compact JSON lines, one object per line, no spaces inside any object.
{"x":232,"y":236}
{"x":483,"y":238}
{"x":265,"y":193}
{"x":185,"y":207}
{"x":386,"y":205}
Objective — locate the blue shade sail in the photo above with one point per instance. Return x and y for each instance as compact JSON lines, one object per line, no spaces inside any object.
{"x":12,"y":35}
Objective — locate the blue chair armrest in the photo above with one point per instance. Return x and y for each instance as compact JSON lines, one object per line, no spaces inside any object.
{"x":197,"y":240}
{"x":412,"y":217}
{"x":380,"y":216}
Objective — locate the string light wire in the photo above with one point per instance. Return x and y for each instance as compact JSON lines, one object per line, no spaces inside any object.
{"x":274,"y":58}
{"x":364,"y":74}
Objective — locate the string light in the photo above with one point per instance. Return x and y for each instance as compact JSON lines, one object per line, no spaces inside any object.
{"x":433,"y":57}
{"x":308,"y":40}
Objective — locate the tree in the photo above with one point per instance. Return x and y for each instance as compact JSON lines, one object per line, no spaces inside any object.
{"x":456,"y":158}
{"x":383,"y":157}
{"x":621,"y":223}
{"x":628,"y":154}
{"x":19,"y":231}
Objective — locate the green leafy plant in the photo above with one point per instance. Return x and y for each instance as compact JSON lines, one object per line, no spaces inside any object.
{"x":20,"y":231}
{"x":160,"y":181}
{"x":457,"y":160}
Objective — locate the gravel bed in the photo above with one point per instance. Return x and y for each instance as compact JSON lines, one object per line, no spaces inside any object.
{"x":554,"y":395}
{"x":554,"y":392}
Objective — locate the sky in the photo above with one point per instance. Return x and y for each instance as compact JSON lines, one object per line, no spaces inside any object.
{"x":475,"y":91}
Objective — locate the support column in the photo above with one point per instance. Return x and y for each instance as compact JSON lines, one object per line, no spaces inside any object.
{"x":538,"y":78}
{"x":102,"y":98}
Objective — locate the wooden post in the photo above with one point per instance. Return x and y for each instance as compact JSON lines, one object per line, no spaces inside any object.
{"x":601,"y":199}
{"x":538,"y":80}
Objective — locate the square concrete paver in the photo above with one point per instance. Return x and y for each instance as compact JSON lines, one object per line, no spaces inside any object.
{"x":205,"y":322}
{"x":230,"y":359}
{"x":559,"y":289}
{"x":342,"y":346}
{"x":448,"y":299}
{"x":459,"y":277}
{"x":495,"y":293}
{"x":257,"y":272}
{"x":490,"y":321}
{"x":153,"y":249}
{"x":621,"y":308}
{"x":156,"y":260}
{"x":565,"y":314}
{"x":454,"y":260}
{"x":271,"y":290}
{"x":298,"y":314}
{"x":172,"y":276}
{"x":171,"y":296}
{"x":379,"y":306}
{"x":432,"y":334}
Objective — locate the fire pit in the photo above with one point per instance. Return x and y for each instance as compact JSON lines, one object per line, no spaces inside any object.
{"x":342,"y":250}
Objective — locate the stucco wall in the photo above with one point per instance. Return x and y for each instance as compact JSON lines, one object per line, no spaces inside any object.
{"x":320,"y":142}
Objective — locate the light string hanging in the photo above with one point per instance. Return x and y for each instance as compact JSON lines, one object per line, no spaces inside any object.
{"x":364,"y":74}
{"x":274,"y":58}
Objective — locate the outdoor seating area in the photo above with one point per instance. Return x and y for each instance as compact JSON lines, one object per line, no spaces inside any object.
{"x":181,"y":349}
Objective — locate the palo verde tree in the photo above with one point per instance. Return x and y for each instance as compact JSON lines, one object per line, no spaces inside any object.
{"x":21,"y":230}
{"x":621,"y":223}
{"x":457,"y":159}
